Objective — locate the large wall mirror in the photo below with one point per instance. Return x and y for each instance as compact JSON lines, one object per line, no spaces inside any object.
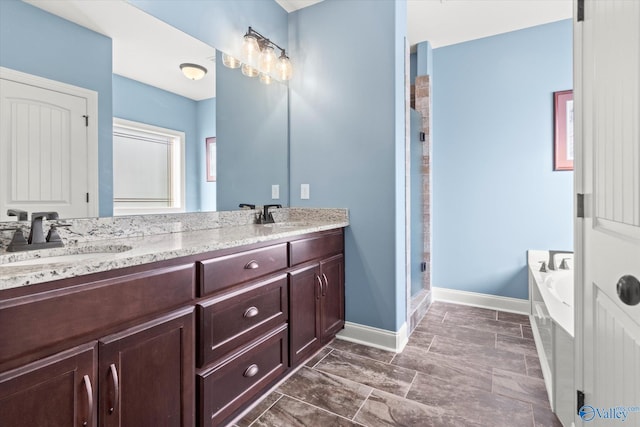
{"x":132,"y":60}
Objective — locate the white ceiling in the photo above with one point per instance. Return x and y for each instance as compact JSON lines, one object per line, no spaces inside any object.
{"x":446,"y":22}
{"x":144,"y":48}
{"x":148,"y":50}
{"x":292,"y":5}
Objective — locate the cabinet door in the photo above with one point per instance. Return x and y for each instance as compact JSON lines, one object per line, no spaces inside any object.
{"x":147,"y":374}
{"x":304,"y":312}
{"x":55,"y":391}
{"x":332,"y":274}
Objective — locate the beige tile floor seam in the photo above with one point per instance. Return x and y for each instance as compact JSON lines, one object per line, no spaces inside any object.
{"x":468,"y":385}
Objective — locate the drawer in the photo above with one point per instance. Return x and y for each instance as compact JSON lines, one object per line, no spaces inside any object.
{"x":227,"y":387}
{"x":230,"y":321}
{"x":36,"y":321}
{"x":219,"y":273}
{"x":316,"y":247}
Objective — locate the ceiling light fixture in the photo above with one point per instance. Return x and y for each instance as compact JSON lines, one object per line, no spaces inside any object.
{"x":193,"y":71}
{"x":258,"y":57}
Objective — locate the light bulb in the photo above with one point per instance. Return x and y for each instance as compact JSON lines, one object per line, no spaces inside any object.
{"x":267,"y":60}
{"x":249,"y":71}
{"x":250,"y":50}
{"x":284,"y":69}
{"x":230,"y":62}
{"x":265,"y":79}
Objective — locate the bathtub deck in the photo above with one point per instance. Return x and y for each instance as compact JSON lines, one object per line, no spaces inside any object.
{"x":463,"y":366}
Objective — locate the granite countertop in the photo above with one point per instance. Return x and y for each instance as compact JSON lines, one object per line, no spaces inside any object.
{"x":93,"y":256}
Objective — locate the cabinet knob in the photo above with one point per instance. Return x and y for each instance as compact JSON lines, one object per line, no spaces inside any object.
{"x":251,"y":371}
{"x":251,"y":312}
{"x":252,"y":265}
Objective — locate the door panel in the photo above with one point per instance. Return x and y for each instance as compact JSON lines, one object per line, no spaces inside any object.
{"x":304,"y":313}
{"x":147,"y":374}
{"x":608,"y":172}
{"x":332,"y":271}
{"x":57,"y":391}
{"x":43,"y":150}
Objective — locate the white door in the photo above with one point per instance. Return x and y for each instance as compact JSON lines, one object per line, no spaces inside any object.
{"x":43,"y":151}
{"x":607,"y":62}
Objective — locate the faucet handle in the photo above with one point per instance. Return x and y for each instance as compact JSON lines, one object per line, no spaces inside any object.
{"x":22,"y":215}
{"x":543,"y":267}
{"x":18,"y":242}
{"x":564,"y":265}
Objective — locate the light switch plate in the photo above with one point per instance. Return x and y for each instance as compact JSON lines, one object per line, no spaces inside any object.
{"x":304,"y":191}
{"x":275,"y":191}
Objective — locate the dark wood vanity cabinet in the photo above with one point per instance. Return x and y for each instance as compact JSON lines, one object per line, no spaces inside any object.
{"x":100,"y":350}
{"x":185,"y":342}
{"x":316,"y":292}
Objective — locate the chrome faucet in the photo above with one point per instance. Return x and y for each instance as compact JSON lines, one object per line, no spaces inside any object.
{"x":37,"y":239}
{"x":563,"y":265}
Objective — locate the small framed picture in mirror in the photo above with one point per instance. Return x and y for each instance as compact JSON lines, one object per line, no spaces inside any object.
{"x":211,"y":158}
{"x":563,"y":140}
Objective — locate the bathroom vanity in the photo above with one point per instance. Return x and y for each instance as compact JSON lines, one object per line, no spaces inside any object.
{"x":191,"y":337}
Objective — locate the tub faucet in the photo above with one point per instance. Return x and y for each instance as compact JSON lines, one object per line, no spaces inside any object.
{"x":551,"y":264}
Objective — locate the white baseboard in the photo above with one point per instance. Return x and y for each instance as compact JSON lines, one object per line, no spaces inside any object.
{"x":492,"y":302}
{"x":375,"y":337}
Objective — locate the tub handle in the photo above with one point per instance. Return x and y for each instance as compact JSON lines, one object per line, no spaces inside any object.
{"x":628,"y":288}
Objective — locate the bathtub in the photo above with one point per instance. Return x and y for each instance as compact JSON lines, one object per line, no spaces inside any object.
{"x":551,"y":296}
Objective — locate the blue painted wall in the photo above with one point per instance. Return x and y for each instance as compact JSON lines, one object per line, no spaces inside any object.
{"x":346,"y":136}
{"x":206,"y":123}
{"x":252,"y":153}
{"x":249,"y":150}
{"x":495,"y":194}
{"x":58,"y":49}
{"x":133,"y":100}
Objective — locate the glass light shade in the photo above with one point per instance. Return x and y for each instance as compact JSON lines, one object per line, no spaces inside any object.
{"x":230,"y":62}
{"x":249,"y":71}
{"x":250,"y":50}
{"x":265,"y":78}
{"x":284,"y":69}
{"x":267,"y":60}
{"x":193,"y":71}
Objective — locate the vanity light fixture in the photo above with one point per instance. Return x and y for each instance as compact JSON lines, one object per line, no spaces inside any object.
{"x":258,"y":58}
{"x":193,"y":71}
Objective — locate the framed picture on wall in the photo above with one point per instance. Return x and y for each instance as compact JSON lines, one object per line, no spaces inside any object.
{"x":563,"y":135}
{"x":211,"y":158}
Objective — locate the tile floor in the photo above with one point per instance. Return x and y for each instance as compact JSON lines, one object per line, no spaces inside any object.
{"x":463,"y":366}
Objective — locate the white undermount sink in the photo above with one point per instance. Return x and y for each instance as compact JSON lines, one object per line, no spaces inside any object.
{"x":57,"y":258}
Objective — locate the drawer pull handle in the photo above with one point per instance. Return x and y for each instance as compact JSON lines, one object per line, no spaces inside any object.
{"x":251,"y":371}
{"x":89,"y":390}
{"x":251,"y":312}
{"x":116,"y":388}
{"x":252,"y":265}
